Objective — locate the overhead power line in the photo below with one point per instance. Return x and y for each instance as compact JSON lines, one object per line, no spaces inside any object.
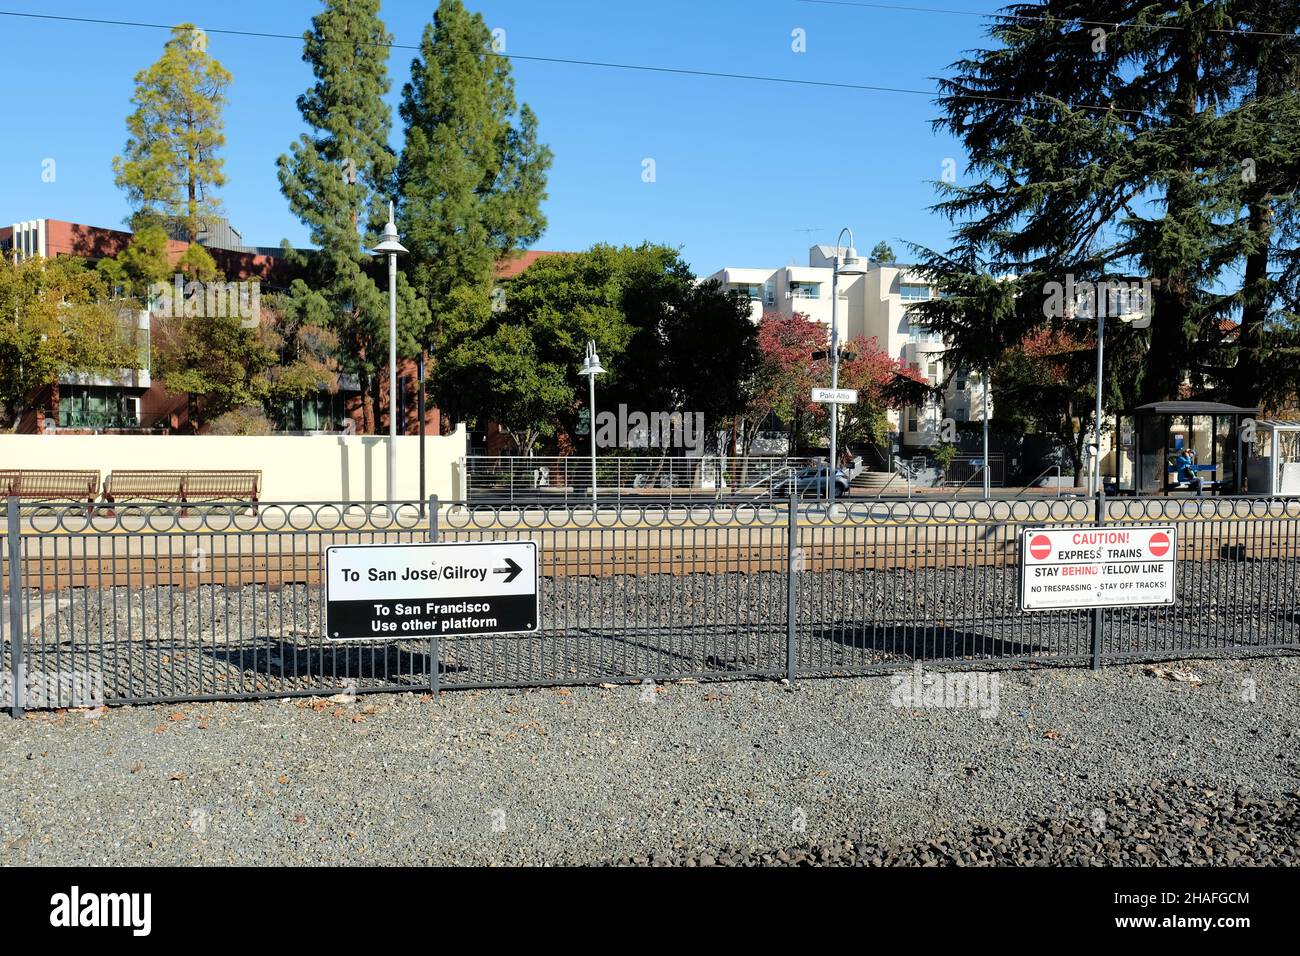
{"x":1032,"y":18}
{"x":602,"y":64}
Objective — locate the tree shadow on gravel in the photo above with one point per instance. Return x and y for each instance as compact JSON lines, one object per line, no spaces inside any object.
{"x":283,"y":659}
{"x":924,"y":642}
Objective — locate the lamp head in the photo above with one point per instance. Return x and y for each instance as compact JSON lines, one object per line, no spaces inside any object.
{"x":388,"y":241}
{"x":591,"y":361}
{"x":851,"y":265}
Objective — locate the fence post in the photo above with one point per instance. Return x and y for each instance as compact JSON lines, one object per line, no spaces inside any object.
{"x":791,"y":601}
{"x":1098,"y":614}
{"x":17,"y":682}
{"x":435,"y":677}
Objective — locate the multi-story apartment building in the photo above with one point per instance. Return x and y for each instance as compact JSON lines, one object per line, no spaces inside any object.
{"x":876,"y":305}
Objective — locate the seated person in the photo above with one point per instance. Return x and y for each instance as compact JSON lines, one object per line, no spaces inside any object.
{"x":1185,"y":470}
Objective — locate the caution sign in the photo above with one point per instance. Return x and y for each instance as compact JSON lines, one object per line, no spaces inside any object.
{"x":393,"y":591}
{"x":1064,"y":568}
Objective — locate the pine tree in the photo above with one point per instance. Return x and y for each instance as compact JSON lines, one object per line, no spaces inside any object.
{"x":882,"y":252}
{"x":172,"y":167}
{"x":335,"y":178}
{"x":472,"y":174}
{"x":1267,"y":147}
{"x":1105,"y":152}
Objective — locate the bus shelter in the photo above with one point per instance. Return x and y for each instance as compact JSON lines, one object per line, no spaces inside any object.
{"x":1274,"y":464}
{"x":1181,"y":447}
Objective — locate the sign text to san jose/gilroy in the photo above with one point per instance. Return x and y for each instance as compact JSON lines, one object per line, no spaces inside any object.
{"x":1131,"y":566}
{"x":386,"y":592}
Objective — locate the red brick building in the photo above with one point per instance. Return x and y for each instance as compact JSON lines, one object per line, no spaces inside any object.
{"x":131,"y":401}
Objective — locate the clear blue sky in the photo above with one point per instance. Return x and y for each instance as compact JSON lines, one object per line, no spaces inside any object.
{"x":742,"y":167}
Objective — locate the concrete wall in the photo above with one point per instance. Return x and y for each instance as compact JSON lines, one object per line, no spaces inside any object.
{"x":294,"y":467}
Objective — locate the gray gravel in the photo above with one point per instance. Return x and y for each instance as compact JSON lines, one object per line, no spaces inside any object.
{"x":1165,"y":823}
{"x":676,"y":772}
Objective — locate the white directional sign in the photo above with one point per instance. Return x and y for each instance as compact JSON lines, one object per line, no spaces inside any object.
{"x":835,"y":396}
{"x":1130,"y":566}
{"x":388,"y":591}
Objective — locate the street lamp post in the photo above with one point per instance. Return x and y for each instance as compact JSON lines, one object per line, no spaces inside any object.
{"x":849,"y":265}
{"x":1095,"y":472}
{"x":984,"y":414}
{"x":1104,"y":303}
{"x":591,"y":367}
{"x":390,"y":246}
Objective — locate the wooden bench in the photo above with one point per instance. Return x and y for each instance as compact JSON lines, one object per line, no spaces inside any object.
{"x":183,"y":486}
{"x":37,"y":484}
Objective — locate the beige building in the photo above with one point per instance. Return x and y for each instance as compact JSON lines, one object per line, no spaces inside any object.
{"x":876,"y":305}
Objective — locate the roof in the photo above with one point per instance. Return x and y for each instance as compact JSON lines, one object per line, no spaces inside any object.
{"x":509,"y":268}
{"x":1191,"y":408}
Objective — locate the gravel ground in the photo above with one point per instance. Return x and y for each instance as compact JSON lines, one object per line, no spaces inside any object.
{"x":1165,"y":823}
{"x":673,"y":773}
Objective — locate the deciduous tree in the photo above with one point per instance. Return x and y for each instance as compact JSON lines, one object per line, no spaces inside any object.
{"x":55,"y":319}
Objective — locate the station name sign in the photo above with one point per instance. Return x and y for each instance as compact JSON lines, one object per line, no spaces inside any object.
{"x":1075,"y":568}
{"x":387,"y":592}
{"x":835,"y":396}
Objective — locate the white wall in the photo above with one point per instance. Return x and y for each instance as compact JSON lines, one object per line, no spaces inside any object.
{"x":294,"y":467}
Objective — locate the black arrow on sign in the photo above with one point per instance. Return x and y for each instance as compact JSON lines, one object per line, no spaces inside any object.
{"x":511,"y":569}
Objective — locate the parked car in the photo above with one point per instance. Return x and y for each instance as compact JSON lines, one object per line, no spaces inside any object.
{"x":812,"y":482}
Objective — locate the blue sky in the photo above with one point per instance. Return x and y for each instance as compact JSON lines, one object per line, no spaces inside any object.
{"x":742,"y":167}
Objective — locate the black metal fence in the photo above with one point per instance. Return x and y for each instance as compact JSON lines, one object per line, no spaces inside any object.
{"x":148,"y":603}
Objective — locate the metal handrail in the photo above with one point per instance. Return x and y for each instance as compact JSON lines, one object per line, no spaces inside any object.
{"x":770,"y":479}
{"x":878,"y":494}
{"x":983,"y":467}
{"x":1042,"y":474}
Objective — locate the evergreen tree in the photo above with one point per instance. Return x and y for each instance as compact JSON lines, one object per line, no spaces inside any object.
{"x":1268,"y":176}
{"x":171,"y":167}
{"x":335,"y":178}
{"x":472,"y":174}
{"x":882,"y":252}
{"x":1103,"y":152}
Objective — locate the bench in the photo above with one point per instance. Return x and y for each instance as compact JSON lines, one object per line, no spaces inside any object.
{"x":1178,"y":484}
{"x":49,"y":484}
{"x":183,"y":486}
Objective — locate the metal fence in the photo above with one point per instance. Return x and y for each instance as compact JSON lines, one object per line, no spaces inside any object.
{"x":148,"y":603}
{"x":968,"y":468}
{"x":633,"y":478}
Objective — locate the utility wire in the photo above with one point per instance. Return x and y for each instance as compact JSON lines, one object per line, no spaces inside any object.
{"x":678,"y":71}
{"x":1044,"y":19}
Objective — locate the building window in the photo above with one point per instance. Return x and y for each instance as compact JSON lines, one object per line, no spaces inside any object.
{"x":748,"y":289}
{"x":97,"y":406}
{"x":323,"y":411}
{"x":913,"y":291}
{"x":805,"y":290}
{"x":769,"y":292}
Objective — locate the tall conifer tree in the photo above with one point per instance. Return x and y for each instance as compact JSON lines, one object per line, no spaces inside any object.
{"x":171,"y":167}
{"x":472,"y":174}
{"x":336,"y":178}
